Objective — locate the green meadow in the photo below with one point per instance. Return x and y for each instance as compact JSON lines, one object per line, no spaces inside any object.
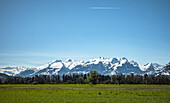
{"x":84,"y":93}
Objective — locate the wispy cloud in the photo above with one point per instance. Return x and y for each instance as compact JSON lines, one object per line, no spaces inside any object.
{"x":104,"y":8}
{"x":24,"y":54}
{"x":56,"y":55}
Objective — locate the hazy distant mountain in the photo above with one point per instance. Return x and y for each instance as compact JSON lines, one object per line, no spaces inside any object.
{"x":105,"y":66}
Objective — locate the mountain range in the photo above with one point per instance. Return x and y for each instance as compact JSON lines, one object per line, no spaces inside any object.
{"x":104,"y":66}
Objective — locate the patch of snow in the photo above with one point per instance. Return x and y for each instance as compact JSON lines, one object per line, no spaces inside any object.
{"x":104,"y":66}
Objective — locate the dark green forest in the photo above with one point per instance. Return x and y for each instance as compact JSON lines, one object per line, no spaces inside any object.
{"x":92,"y":78}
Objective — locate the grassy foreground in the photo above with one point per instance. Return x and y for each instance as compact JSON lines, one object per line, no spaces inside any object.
{"x":84,"y":93}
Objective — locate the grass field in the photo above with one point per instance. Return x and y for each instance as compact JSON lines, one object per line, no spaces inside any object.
{"x":84,"y":93}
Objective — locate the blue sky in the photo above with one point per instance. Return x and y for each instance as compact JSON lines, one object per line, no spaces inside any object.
{"x":34,"y":32}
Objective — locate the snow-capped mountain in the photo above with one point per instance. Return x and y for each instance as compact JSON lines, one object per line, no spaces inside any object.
{"x":12,"y":71}
{"x":105,"y":66}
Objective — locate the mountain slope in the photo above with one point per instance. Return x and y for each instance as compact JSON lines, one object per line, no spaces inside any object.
{"x":105,"y":66}
{"x":2,"y":76}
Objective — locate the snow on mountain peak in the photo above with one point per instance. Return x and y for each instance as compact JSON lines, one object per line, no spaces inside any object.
{"x":13,"y":70}
{"x":105,"y":66}
{"x":114,"y":60}
{"x":123,"y":58}
{"x":151,"y":67}
{"x":55,"y":61}
{"x":68,"y":60}
{"x":56,"y":65}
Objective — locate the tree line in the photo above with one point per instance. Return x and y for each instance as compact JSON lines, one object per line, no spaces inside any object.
{"x":92,"y":78}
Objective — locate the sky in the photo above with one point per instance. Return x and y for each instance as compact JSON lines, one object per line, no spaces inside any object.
{"x":35,"y":32}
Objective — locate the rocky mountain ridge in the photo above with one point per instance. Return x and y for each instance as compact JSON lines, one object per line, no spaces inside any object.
{"x":104,"y":66}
